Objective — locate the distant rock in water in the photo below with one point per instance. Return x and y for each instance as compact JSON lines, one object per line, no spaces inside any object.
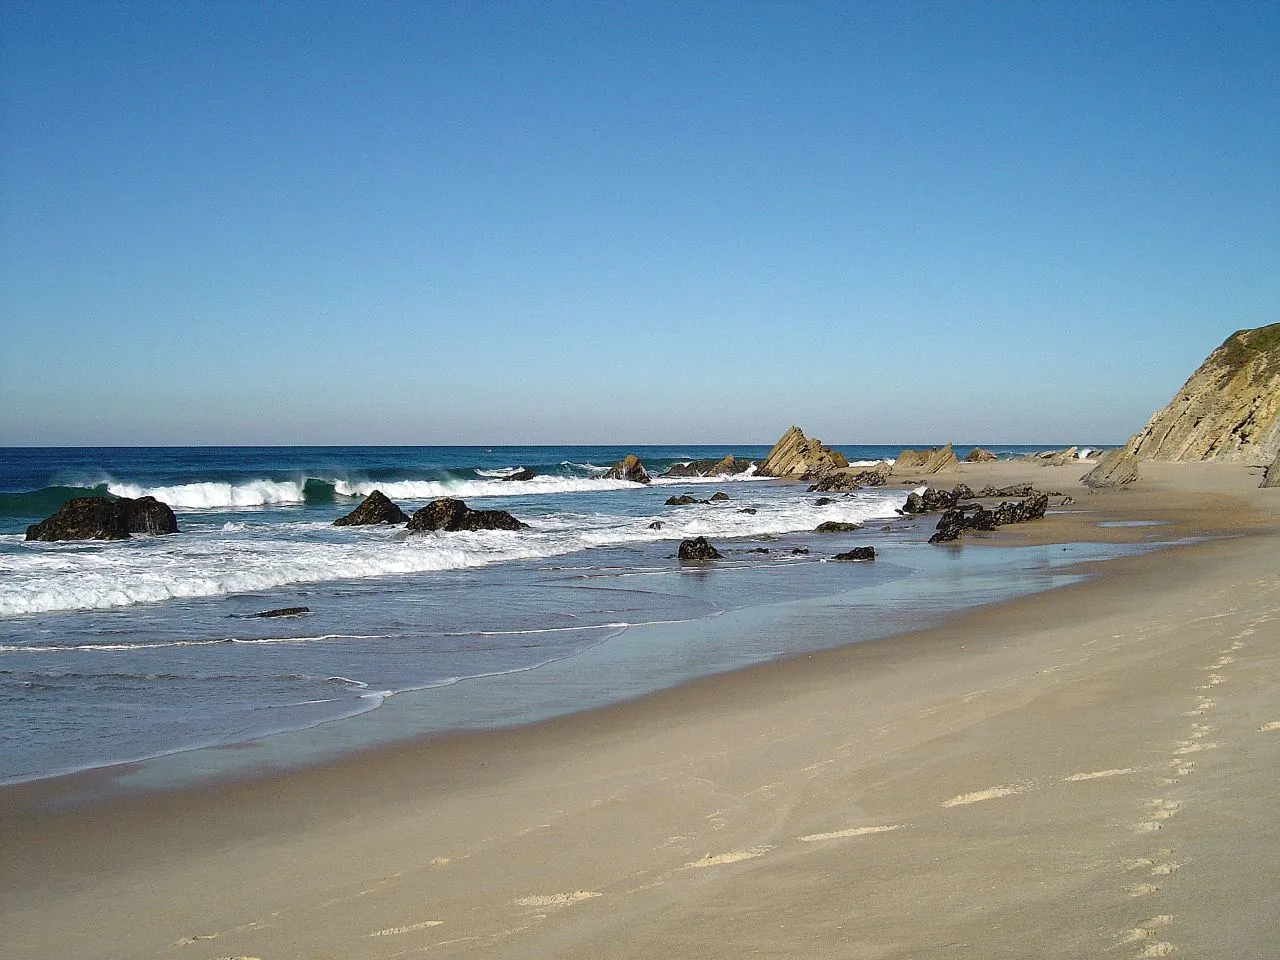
{"x":683,"y":500}
{"x":1229,"y":409}
{"x":450,"y":516}
{"x":795,"y":454}
{"x":857,"y":553}
{"x":719,"y":497}
{"x":979,"y":455}
{"x":1116,"y":468}
{"x":524,"y":473}
{"x":282,"y":612}
{"x":698,"y":549}
{"x":376,"y":508}
{"x":628,"y":468}
{"x":102,"y":518}
{"x":708,"y":468}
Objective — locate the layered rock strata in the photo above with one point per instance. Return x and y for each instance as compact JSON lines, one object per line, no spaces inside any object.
{"x":795,"y":454}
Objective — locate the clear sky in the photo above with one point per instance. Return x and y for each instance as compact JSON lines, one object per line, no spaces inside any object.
{"x":474,"y":222}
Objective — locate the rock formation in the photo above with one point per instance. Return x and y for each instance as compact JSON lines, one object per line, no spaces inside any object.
{"x":709,"y":468}
{"x":628,"y":468}
{"x":102,"y":518}
{"x":524,"y":473}
{"x":795,"y":454}
{"x":1229,"y":409}
{"x":925,"y":462}
{"x":1115,"y":468}
{"x":974,"y":516}
{"x":836,"y":526}
{"x":979,"y":455}
{"x":1272,"y":477}
{"x":936,"y":499}
{"x":281,"y":612}
{"x":698,"y":549}
{"x":452,"y":515}
{"x":376,"y":508}
{"x":857,"y":553}
{"x":682,"y":501}
{"x":719,"y":497}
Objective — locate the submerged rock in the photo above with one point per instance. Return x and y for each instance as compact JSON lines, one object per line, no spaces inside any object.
{"x":718,"y":497}
{"x":104,"y":518}
{"x":524,"y":473}
{"x":450,"y":516}
{"x":376,"y":508}
{"x":857,"y":553}
{"x":628,"y":468}
{"x":282,"y":612}
{"x":683,"y":500}
{"x":698,"y":549}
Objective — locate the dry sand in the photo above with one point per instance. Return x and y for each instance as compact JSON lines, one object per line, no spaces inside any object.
{"x":1091,"y":772}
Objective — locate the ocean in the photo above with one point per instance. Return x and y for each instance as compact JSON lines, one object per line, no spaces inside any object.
{"x":117,"y":652}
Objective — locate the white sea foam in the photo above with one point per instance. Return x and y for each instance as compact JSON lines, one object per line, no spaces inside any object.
{"x":431,"y":489}
{"x":212,"y":562}
{"x":211,"y":495}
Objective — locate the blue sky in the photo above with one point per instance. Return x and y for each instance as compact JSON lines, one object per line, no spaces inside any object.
{"x":626,"y":222}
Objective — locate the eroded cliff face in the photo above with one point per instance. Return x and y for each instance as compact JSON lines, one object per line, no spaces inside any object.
{"x":1228,"y":410}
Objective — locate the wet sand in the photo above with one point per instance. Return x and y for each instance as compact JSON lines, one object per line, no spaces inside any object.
{"x":1087,"y":772}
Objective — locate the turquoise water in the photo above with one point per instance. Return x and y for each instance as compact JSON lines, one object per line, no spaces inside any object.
{"x":114,"y":652}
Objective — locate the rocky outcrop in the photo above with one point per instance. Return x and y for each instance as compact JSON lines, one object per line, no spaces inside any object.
{"x":1272,"y":477}
{"x":1229,"y":409}
{"x":836,"y":526}
{"x":719,"y":497}
{"x":450,"y":516}
{"x":926,"y":462}
{"x":683,"y":500}
{"x":857,"y":553}
{"x":1116,"y":468}
{"x":521,"y":475}
{"x":974,"y":516}
{"x":102,"y":518}
{"x":979,"y":455}
{"x":709,"y":468}
{"x":936,"y":499}
{"x":697,"y":549}
{"x":795,"y":454}
{"x":376,"y":508}
{"x":876,"y":476}
{"x":835,"y":482}
{"x":628,"y":468}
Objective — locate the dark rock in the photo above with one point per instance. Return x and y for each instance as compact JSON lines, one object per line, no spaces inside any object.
{"x":857,"y":553}
{"x":956,"y":521}
{"x":719,"y":497}
{"x":682,"y":501}
{"x":750,"y":510}
{"x":834,"y":483}
{"x":757,"y":550}
{"x":934,"y":499}
{"x":628,"y":468}
{"x":283,"y":612}
{"x":872,"y":478}
{"x":708,"y":468}
{"x":822,"y":501}
{"x":1016,"y":490}
{"x":698,"y":549}
{"x":376,"y":508}
{"x":656,"y":525}
{"x":836,"y":526}
{"x":451,"y":515}
{"x":800,"y":551}
{"x":524,"y":473}
{"x":103,"y":518}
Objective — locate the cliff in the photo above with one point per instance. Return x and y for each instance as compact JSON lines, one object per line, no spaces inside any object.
{"x":1228,"y":410}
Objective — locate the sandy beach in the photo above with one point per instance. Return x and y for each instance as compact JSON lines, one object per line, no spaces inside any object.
{"x":1082,"y":773}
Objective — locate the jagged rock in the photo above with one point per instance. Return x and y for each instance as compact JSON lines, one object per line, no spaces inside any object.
{"x":857,"y":553}
{"x":876,"y":476}
{"x":656,"y":525}
{"x":750,"y":510}
{"x":282,"y":612}
{"x":1014,"y":490}
{"x":795,"y":454}
{"x":822,"y":501}
{"x":451,"y":515}
{"x":1272,"y":477}
{"x":102,"y":518}
{"x":925,"y":462}
{"x":936,"y":499}
{"x":628,"y":468}
{"x":834,"y":482}
{"x":1229,"y":409}
{"x":698,"y":549}
{"x":979,"y":455}
{"x":836,"y":526}
{"x":682,"y":501}
{"x":708,"y":468}
{"x":800,"y":551}
{"x":376,"y":508}
{"x":718,"y":497}
{"x":1115,"y":468}
{"x":974,"y":516}
{"x":524,"y":473}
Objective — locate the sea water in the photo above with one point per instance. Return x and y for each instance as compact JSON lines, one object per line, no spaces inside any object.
{"x":120,"y":651}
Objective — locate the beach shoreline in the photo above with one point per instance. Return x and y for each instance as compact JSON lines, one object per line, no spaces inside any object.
{"x":1078,"y":728}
